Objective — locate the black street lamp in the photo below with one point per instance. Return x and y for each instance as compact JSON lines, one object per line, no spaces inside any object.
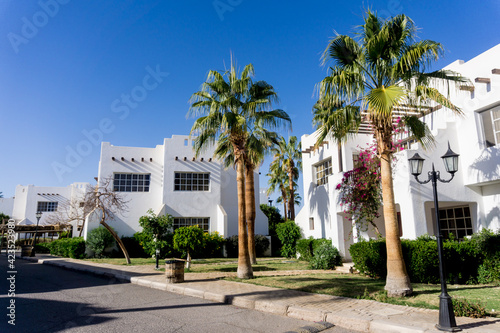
{"x":270,"y":201}
{"x":157,"y":254}
{"x":38,"y":216}
{"x":446,"y":316}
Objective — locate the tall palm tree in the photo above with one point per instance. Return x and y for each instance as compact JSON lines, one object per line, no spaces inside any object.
{"x":290,"y":156}
{"x":277,"y":181}
{"x":383,"y":71}
{"x":229,"y":106}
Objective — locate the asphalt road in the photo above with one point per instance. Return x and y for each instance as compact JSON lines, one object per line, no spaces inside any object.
{"x":52,"y":299}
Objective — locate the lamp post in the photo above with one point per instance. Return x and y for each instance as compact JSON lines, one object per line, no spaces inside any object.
{"x":157,"y":254}
{"x":446,"y":316}
{"x":38,"y":216}
{"x":270,"y":201}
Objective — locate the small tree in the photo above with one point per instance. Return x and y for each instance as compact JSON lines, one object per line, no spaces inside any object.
{"x":288,"y":233}
{"x":273,"y":216}
{"x":188,"y":239}
{"x":98,"y":240}
{"x":157,"y":230}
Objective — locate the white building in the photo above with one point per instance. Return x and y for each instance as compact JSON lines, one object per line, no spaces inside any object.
{"x":170,"y":179}
{"x":470,"y":202}
{"x":30,"y":199}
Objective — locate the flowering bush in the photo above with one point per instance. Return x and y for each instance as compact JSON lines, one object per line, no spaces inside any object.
{"x":361,"y":193}
{"x":360,"y":188}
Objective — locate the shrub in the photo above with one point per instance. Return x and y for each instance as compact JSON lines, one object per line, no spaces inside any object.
{"x":98,"y":240}
{"x":326,"y":256}
{"x":288,"y":233}
{"x":212,"y":248}
{"x":42,"y":248}
{"x":232,"y":246}
{"x":463,"y":308}
{"x":68,"y":247}
{"x":273,"y":216}
{"x":369,"y":257}
{"x":188,"y":239}
{"x":304,"y":248}
{"x":166,"y":246}
{"x":261,"y":245}
{"x":134,"y":248}
{"x":488,"y":245}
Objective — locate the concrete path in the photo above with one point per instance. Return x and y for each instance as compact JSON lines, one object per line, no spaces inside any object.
{"x":359,"y":315}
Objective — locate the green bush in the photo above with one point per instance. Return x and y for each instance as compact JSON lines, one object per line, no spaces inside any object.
{"x":166,"y":246}
{"x":212,"y":246}
{"x":326,"y":256}
{"x":134,"y":248}
{"x":369,"y":257}
{"x":261,"y":245}
{"x":488,"y":245}
{"x":463,"y":308}
{"x":42,"y":248}
{"x":288,"y":233}
{"x":304,"y":248}
{"x":98,"y":240}
{"x":468,"y":261}
{"x":232,"y":246}
{"x":68,"y":247}
{"x":188,"y":239}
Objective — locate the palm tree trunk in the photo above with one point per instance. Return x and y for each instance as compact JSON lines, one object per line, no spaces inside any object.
{"x":291,"y":202}
{"x":244,"y":266}
{"x":283,"y":195}
{"x":398,"y":282}
{"x":117,"y":239}
{"x":250,"y":211}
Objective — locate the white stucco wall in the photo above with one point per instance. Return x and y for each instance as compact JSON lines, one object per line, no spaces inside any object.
{"x":176,"y":155}
{"x":476,"y":184}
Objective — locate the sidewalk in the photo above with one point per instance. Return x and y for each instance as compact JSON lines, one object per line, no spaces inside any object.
{"x":359,"y":315}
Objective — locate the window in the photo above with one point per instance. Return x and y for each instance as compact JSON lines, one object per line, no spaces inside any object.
{"x":46,"y":206}
{"x":356,"y":161}
{"x":311,"y":223}
{"x":202,"y":222}
{"x":491,"y":126}
{"x":131,"y":182}
{"x":456,"y":221}
{"x":323,"y":170}
{"x":190,"y":181}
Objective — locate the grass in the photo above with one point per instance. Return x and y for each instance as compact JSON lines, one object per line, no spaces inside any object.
{"x":355,"y":286}
{"x":347,"y":285}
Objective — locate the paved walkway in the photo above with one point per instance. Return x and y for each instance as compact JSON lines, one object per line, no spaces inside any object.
{"x":359,"y":315}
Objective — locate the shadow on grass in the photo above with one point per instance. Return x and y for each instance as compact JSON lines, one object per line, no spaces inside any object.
{"x":433,"y":289}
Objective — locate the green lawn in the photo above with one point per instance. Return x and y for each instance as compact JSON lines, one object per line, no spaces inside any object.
{"x":355,"y":286}
{"x":347,"y":285}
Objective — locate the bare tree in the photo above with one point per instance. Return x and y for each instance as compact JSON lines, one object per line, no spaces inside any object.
{"x":109,"y":203}
{"x":98,"y":198}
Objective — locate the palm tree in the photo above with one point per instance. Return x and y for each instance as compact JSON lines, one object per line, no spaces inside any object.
{"x":228,"y":111}
{"x":382,"y":72}
{"x":290,"y":156}
{"x":277,"y":180}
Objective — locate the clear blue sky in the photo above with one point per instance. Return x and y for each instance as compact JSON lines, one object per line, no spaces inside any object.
{"x":65,"y":68}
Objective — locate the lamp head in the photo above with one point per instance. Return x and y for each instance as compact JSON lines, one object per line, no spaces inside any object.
{"x":416,"y":164}
{"x":450,"y":160}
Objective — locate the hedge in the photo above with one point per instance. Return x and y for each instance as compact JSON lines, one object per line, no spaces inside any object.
{"x":68,"y":247}
{"x":469,"y":261}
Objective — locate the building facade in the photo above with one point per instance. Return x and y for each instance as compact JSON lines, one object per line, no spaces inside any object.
{"x":470,"y":202}
{"x":169,"y":179}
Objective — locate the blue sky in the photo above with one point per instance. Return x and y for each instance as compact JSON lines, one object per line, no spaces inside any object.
{"x":67,"y":68}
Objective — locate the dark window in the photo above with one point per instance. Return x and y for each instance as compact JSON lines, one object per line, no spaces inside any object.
{"x":189,"y":181}
{"x":128,"y":182}
{"x":47,"y":206}
{"x":456,"y":221}
{"x":322,"y":171}
{"x":202,"y":222}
